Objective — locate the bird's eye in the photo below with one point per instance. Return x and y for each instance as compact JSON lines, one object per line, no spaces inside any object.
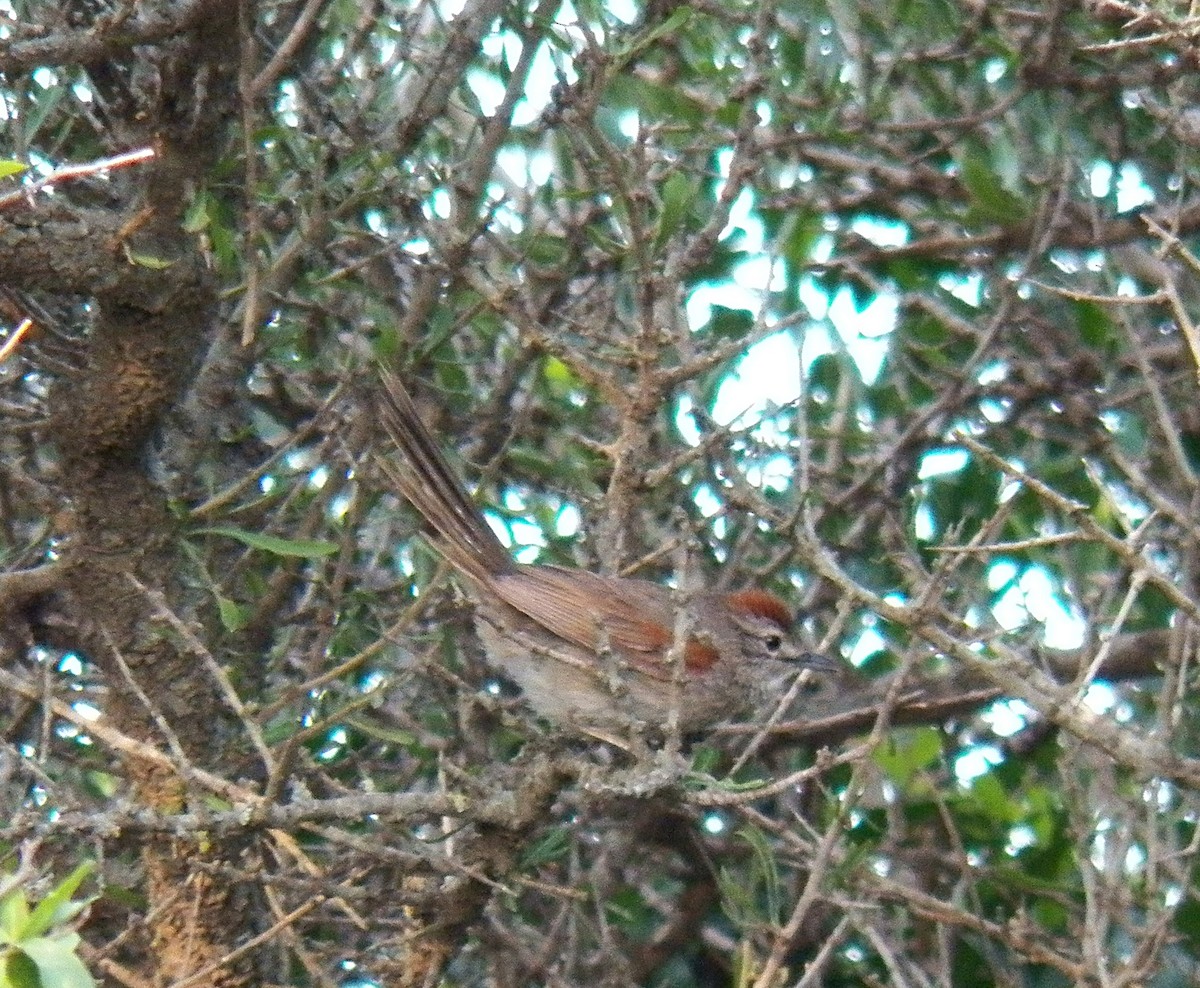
{"x":773,"y":642}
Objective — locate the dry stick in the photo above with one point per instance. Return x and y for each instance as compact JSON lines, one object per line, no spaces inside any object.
{"x":314,"y":967}
{"x":143,"y":922}
{"x":1012,"y":934}
{"x":1109,"y":635}
{"x":23,"y":585}
{"x":251,"y":477}
{"x":14,"y":340}
{"x":252,"y":234}
{"x":1006,"y":548}
{"x":388,"y":637}
{"x":1018,"y":677}
{"x":1162,"y":408}
{"x":784,"y":937}
{"x":197,"y":648}
{"x":780,"y":711}
{"x":814,"y":970}
{"x":252,"y":813}
{"x":124,"y":744}
{"x":68,"y":172}
{"x":156,"y":715}
{"x":1078,"y":513}
{"x":886,"y":946}
{"x":1140,"y":484}
{"x":824,"y":762}
{"x":1178,"y":309}
{"x":249,"y":808}
{"x":121,"y":974}
{"x":26,"y":870}
{"x":829,"y":840}
{"x":282,"y":58}
{"x":250,"y":944}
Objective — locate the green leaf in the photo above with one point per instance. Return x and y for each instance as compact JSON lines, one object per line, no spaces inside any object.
{"x":991,"y":798}
{"x":382,"y":732}
{"x":909,"y":752}
{"x":759,"y":899}
{"x":559,"y":376}
{"x":678,"y":194}
{"x":679,"y":17}
{"x":1050,"y":915}
{"x":57,"y":962}
{"x":232,"y":614}
{"x":990,"y":200}
{"x":704,"y":760}
{"x":628,"y":907}
{"x":765,"y":871}
{"x":10,"y":167}
{"x":545,"y":248}
{"x":652,"y":99}
{"x":44,"y":105}
{"x":804,"y":231}
{"x":1095,"y":325}
{"x":1187,"y":922}
{"x":552,"y":847}
{"x":302,"y":548}
{"x":18,"y":970}
{"x":14,"y":914}
{"x":145,"y":260}
{"x":100,"y":785}
{"x":196,"y":218}
{"x":927,"y":330}
{"x":730,"y":324}
{"x":57,"y":907}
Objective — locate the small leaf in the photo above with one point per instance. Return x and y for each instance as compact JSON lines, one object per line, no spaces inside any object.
{"x":232,"y":614}
{"x":1187,"y":922}
{"x":14,"y":914}
{"x":196,"y":218}
{"x":381,"y":732}
{"x":704,"y":760}
{"x":57,"y":963}
{"x":145,"y":260}
{"x":1095,"y":326}
{"x":909,"y":752}
{"x":678,"y":194}
{"x":57,"y":906}
{"x":991,"y":201}
{"x":302,"y":548}
{"x":730,"y":324}
{"x":18,"y":970}
{"x":100,"y":785}
{"x":674,"y":23}
{"x":765,"y":870}
{"x":990,"y":797}
{"x":10,"y":167}
{"x":559,"y":376}
{"x":552,"y":847}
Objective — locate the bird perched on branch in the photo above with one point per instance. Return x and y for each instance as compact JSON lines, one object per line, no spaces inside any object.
{"x":591,"y":652}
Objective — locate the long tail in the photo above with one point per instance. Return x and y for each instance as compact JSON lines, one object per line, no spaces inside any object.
{"x":433,"y":488}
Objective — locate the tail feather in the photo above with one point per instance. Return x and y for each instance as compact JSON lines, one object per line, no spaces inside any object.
{"x":433,"y":488}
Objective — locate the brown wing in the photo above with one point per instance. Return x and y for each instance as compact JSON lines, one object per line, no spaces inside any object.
{"x":635,"y":617}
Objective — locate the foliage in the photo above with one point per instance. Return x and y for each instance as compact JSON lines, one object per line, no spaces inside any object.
{"x":887,"y":306}
{"x":35,"y":953}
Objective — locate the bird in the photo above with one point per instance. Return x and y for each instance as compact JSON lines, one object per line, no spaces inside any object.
{"x":597,"y":654}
